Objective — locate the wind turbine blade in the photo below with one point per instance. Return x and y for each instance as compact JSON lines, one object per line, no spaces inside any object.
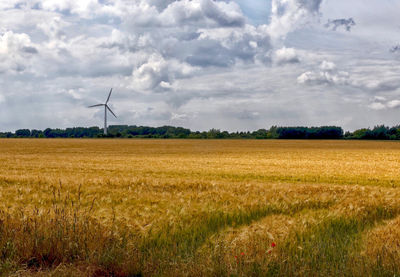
{"x":108,"y":98}
{"x":98,"y":105}
{"x":111,"y":111}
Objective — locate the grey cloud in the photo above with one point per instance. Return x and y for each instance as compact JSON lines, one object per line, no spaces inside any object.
{"x":377,"y":77}
{"x":336,"y":23}
{"x":161,"y":4}
{"x":209,"y":52}
{"x":178,"y":99}
{"x":215,"y":56}
{"x":247,"y":114}
{"x":395,"y":49}
{"x":382,"y":104}
{"x":311,"y":5}
{"x":29,"y":49}
{"x":246,"y":44}
{"x":189,"y":36}
{"x":122,"y":41}
{"x":285,"y":7}
{"x":386,"y":84}
{"x":224,"y":17}
{"x":206,"y":13}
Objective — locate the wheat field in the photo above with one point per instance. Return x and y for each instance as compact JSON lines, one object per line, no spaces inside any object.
{"x":100,"y":207}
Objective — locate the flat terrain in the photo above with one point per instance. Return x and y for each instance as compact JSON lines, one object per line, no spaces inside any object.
{"x":199,"y":207}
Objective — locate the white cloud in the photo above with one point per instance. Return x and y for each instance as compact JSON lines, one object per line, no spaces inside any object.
{"x":327,"y":75}
{"x":11,"y":43}
{"x":16,"y":51}
{"x":369,"y":76}
{"x":380,"y":103}
{"x":327,"y":66}
{"x":289,"y":15}
{"x":379,"y":98}
{"x":8,"y":4}
{"x":203,"y":12}
{"x":83,"y":8}
{"x":377,"y":106}
{"x":179,"y":117}
{"x":158,"y":73}
{"x":53,"y":28}
{"x":75,"y":94}
{"x":286,"y":56}
{"x":393,"y":104}
{"x":319,"y":78}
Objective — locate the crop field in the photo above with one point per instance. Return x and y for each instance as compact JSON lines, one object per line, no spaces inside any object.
{"x":75,"y":207}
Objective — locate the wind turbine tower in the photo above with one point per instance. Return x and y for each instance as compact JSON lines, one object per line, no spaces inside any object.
{"x":106,"y":107}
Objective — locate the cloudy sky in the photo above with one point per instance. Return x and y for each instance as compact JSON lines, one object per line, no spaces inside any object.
{"x":200,"y":64}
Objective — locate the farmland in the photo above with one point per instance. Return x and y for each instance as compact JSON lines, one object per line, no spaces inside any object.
{"x":75,"y":207}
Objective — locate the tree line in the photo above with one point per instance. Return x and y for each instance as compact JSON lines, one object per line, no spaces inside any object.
{"x":125,"y":131}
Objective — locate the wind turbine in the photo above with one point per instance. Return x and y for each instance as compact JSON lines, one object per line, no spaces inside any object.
{"x":106,"y":107}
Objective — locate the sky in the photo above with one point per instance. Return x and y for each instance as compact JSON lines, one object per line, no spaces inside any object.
{"x":200,"y":64}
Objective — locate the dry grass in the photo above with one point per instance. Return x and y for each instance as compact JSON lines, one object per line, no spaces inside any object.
{"x":196,"y":208}
{"x":382,"y":248}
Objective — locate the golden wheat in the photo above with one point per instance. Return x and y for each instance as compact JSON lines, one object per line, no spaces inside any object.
{"x":200,"y":207}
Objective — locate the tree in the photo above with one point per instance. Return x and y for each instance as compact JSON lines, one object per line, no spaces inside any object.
{"x":24,"y":133}
{"x":260,"y":134}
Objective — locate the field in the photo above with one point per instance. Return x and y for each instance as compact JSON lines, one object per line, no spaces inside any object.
{"x":199,"y":208}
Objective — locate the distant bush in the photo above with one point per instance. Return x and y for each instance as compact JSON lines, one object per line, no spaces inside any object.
{"x":328,"y":132}
{"x":379,"y":132}
{"x":23,"y":133}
